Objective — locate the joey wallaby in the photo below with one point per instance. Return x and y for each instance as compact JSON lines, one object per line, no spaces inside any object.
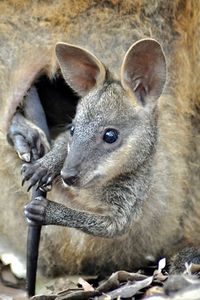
{"x":130,"y":161}
{"x":111,"y":149}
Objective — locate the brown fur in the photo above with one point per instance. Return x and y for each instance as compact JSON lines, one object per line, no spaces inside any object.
{"x":28,"y":33}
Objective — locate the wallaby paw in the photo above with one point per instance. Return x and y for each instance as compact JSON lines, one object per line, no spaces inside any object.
{"x":35,"y":210}
{"x":36,"y":174}
{"x":29,"y":141}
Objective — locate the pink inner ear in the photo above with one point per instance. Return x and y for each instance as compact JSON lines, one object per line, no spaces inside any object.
{"x":85,"y":82}
{"x":140,"y":90}
{"x":144,"y":70}
{"x":84,"y":74}
{"x":80,"y":68}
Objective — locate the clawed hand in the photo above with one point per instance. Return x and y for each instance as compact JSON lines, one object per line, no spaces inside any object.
{"x":35,"y":173}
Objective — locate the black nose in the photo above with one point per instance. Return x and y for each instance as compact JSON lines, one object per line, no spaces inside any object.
{"x":69,"y":178}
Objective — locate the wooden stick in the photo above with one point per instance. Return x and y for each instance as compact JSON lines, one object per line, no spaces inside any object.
{"x":35,"y":113}
{"x":33,"y":241}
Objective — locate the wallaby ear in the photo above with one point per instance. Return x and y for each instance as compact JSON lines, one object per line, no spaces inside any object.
{"x":80,"y":68}
{"x":143,"y":71}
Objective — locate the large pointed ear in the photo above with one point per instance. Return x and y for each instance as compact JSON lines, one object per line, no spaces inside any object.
{"x":143,"y":71}
{"x":80,"y":68}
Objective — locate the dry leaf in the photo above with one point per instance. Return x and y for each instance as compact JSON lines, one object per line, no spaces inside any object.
{"x":119,"y":277}
{"x":161,"y":265}
{"x":86,"y":286}
{"x":129,"y":290}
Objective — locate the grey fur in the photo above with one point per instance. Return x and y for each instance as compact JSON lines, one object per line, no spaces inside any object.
{"x":122,"y":190}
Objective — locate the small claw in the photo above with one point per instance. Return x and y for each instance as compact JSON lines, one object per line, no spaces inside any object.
{"x":43,"y":182}
{"x":23,"y":181}
{"x":46,"y":188}
{"x":42,"y":189}
{"x":26,"y":157}
{"x":38,"y":185}
{"x":49,"y":180}
{"x":30,"y":186}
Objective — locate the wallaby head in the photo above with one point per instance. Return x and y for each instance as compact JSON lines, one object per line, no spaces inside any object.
{"x":114,"y":130}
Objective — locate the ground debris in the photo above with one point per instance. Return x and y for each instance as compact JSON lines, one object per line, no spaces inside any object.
{"x":128,"y":290}
{"x":156,"y":286}
{"x":117,"y":278}
{"x":152,"y":283}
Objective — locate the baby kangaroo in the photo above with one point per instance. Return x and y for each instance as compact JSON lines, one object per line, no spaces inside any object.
{"x":109,"y":160}
{"x":108,"y":157}
{"x":109,"y":153}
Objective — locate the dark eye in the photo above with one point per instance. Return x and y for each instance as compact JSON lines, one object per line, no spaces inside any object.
{"x":110,"y":136}
{"x":72,"y":130}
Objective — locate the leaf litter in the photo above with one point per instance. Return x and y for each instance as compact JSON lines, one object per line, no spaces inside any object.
{"x":158,"y":285}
